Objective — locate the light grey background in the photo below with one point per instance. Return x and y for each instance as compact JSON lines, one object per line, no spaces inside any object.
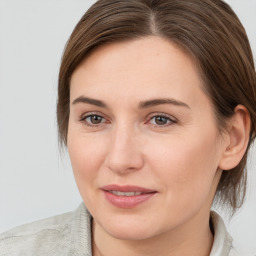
{"x":35,"y":181}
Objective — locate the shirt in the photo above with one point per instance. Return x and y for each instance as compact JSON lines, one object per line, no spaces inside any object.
{"x":69,"y":234}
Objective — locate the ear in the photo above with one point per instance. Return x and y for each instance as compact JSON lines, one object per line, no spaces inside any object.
{"x":238,"y":133}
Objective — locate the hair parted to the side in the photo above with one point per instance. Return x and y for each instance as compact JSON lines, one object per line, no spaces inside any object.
{"x":208,"y":30}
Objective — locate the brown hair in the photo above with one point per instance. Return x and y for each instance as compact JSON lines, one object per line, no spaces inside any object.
{"x":207,"y":29}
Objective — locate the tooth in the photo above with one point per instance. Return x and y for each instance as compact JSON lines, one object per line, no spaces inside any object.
{"x":120,"y":193}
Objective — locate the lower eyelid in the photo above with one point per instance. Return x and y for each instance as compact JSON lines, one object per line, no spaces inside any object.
{"x":103,"y":122}
{"x":170,"y":120}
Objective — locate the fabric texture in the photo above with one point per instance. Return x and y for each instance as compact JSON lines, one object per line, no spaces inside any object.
{"x":69,"y":234}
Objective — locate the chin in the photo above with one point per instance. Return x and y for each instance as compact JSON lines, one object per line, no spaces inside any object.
{"x":130,"y":233}
{"x":129,"y":228}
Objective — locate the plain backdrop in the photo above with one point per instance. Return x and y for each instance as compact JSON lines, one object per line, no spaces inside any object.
{"x":36,"y":181}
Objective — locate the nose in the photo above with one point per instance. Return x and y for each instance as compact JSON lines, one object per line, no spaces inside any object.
{"x":124,"y":153}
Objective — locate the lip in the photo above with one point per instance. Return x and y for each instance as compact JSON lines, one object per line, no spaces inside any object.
{"x":127,"y":202}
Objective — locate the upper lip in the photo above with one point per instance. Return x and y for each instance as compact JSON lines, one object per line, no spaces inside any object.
{"x":126,"y":188}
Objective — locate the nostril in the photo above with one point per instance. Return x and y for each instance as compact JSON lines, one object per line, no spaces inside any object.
{"x":124,"y":162}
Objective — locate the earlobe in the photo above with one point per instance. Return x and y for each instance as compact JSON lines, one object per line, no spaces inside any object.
{"x":238,"y":133}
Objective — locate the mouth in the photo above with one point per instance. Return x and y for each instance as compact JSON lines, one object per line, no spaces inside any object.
{"x":120,"y":193}
{"x":127,"y":196}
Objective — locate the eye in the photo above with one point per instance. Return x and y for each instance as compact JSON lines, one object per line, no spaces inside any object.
{"x":93,"y":120}
{"x":161,"y":120}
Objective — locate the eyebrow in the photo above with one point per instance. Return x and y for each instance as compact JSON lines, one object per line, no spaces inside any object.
{"x":155,"y":102}
{"x":143,"y":104}
{"x":91,"y":101}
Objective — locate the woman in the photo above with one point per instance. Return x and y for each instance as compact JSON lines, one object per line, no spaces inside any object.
{"x":157,"y":107}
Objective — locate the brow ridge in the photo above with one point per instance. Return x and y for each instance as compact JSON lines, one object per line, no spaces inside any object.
{"x":91,"y":101}
{"x":142,"y":105}
{"x":155,"y":102}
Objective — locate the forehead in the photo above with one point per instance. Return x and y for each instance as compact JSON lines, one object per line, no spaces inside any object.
{"x":148,"y":66}
{"x":136,"y":51}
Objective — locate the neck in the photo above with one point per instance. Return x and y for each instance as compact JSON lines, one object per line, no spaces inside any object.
{"x":193,"y":238}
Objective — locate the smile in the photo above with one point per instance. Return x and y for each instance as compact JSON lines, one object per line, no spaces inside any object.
{"x":128,"y":196}
{"x":120,"y":193}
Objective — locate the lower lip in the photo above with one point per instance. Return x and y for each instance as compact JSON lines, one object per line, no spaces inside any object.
{"x":127,"y":202}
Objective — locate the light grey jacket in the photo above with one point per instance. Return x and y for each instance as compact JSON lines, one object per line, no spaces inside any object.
{"x":69,"y":234}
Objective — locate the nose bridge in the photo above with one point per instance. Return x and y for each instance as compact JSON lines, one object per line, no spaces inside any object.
{"x":121,"y":135}
{"x":124,"y":151}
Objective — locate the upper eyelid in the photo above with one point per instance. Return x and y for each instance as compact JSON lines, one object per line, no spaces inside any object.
{"x":88,"y":123}
{"x":148,"y":117}
{"x":91,"y":113}
{"x":86,"y":116}
{"x":171,"y":117}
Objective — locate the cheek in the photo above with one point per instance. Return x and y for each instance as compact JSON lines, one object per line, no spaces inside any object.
{"x":87,"y":155}
{"x":186,"y":166}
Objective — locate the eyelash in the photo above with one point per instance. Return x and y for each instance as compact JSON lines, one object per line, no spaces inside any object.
{"x":169,"y":119}
{"x":83,"y":119}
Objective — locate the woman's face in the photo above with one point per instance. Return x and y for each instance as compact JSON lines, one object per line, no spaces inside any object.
{"x":142,"y":139}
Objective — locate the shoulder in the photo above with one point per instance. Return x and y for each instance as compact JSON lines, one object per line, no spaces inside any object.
{"x":234,"y":252}
{"x":42,"y":237}
{"x":240,"y":252}
{"x":223,"y":242}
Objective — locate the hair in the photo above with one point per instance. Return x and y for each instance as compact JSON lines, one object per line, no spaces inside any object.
{"x":208,"y":30}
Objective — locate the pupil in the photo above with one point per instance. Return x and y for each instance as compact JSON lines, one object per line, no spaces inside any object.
{"x":161,"y":120}
{"x":96,"y":119}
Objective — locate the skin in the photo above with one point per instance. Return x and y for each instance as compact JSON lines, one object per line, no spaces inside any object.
{"x":179,"y":157}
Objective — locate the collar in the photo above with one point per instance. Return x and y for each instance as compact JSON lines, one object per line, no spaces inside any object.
{"x":80,"y":241}
{"x":222,"y":242}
